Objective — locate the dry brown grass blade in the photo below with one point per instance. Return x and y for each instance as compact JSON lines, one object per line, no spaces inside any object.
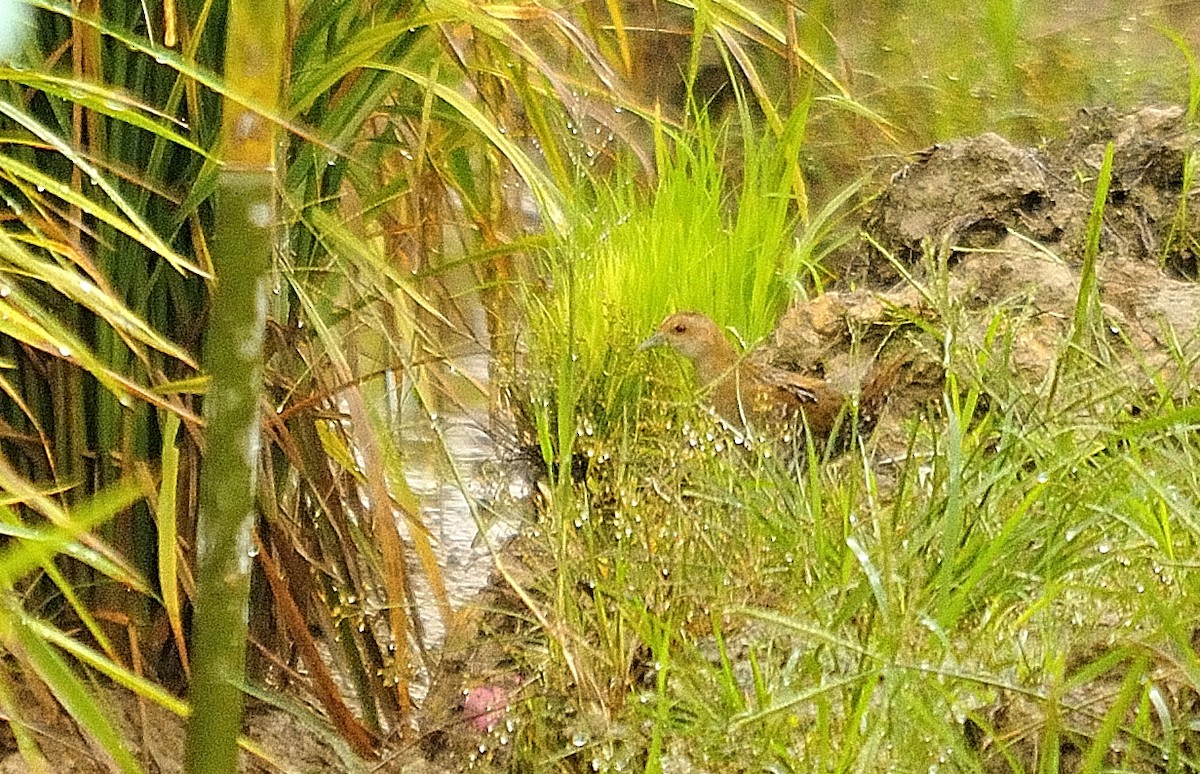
{"x":391,"y":549}
{"x":323,"y":562}
{"x":321,"y":485}
{"x":19,"y":401}
{"x":347,"y":725}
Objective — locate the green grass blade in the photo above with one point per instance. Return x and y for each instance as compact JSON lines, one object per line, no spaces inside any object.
{"x":68,"y":689}
{"x":168,"y":533}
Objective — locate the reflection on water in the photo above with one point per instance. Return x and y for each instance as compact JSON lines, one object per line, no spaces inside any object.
{"x":452,"y":469}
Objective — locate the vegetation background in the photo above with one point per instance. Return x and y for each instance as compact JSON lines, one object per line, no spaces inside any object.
{"x":540,"y":182}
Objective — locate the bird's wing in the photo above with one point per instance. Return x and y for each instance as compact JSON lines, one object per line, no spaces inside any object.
{"x":803,"y":389}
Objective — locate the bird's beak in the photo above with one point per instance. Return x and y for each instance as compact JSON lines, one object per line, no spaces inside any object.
{"x":656,"y":340}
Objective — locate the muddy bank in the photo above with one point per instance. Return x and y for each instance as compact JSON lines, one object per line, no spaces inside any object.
{"x":996,"y":233}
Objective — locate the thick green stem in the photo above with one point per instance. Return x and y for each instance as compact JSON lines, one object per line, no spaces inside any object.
{"x":233,"y":358}
{"x":243,"y":241}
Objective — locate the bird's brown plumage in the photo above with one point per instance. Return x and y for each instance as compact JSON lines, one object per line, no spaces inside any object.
{"x":764,"y":399}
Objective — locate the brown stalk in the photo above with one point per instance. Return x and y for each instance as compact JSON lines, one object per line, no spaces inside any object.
{"x":352,"y":731}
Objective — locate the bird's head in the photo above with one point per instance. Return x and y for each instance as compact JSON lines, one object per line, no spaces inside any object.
{"x":691,"y":334}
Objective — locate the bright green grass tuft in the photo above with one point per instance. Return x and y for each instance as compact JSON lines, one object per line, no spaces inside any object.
{"x":699,"y":241}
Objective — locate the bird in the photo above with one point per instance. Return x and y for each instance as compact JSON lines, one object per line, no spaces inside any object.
{"x":766,"y":400}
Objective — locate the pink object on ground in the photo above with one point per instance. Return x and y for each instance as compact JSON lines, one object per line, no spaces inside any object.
{"x":485,"y":707}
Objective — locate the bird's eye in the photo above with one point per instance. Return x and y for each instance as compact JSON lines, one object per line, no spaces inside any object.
{"x":680,"y":328}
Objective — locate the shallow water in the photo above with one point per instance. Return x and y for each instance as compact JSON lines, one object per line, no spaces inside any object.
{"x":471,"y":501}
{"x":466,"y":522}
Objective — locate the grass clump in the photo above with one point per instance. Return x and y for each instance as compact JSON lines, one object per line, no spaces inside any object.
{"x":1011,"y":591}
{"x":1005,"y":591}
{"x":698,"y":240}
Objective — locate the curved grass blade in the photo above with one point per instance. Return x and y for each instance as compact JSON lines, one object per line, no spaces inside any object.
{"x":85,"y":293}
{"x":68,"y":689}
{"x":548,"y":196}
{"x":168,"y":532}
{"x":141,"y":229}
{"x":29,"y":323}
{"x":106,"y":101}
{"x":183,"y":64}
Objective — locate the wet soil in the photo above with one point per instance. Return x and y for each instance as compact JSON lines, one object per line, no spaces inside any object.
{"x":996,"y":233}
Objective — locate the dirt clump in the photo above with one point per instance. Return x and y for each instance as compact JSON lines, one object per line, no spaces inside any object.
{"x":994,"y":235}
{"x":981,"y":193}
{"x":971,"y":193}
